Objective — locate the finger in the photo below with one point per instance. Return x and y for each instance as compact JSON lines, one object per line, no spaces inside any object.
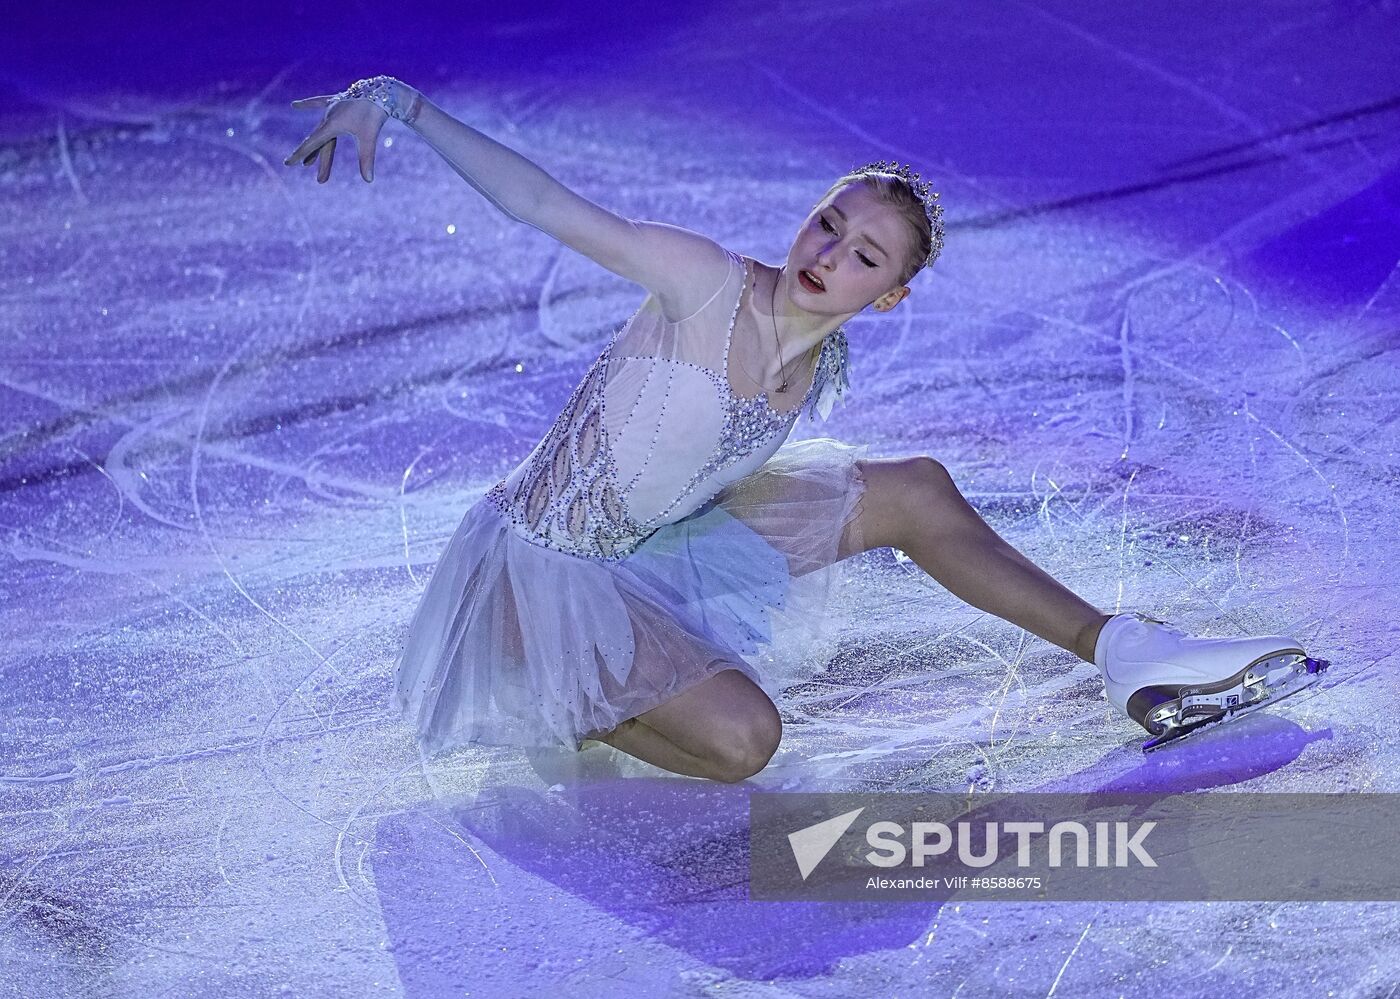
{"x":323,"y":172}
{"x":367,"y":158}
{"x":369,"y":148}
{"x":307,"y":149}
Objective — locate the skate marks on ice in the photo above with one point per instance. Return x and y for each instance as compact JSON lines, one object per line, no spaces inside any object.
{"x":205,"y":780}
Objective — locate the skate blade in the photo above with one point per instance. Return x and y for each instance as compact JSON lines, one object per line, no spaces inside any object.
{"x":1261,"y":685}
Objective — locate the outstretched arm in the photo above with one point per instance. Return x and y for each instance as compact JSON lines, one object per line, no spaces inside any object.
{"x":510,"y":181}
{"x":679,"y":266}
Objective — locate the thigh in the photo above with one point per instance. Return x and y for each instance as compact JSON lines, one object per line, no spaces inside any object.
{"x":882,"y":512}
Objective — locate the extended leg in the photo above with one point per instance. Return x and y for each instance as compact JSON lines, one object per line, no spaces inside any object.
{"x":913,"y":504}
{"x":1170,"y":682}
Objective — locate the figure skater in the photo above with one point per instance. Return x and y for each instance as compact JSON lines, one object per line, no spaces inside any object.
{"x":619,"y":582}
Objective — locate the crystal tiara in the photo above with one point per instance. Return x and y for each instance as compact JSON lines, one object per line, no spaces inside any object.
{"x":929,"y":199}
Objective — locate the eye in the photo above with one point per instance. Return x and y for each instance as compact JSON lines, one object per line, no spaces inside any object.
{"x":864,"y":259}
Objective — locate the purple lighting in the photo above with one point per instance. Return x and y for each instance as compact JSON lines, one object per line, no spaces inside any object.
{"x":245,"y":414}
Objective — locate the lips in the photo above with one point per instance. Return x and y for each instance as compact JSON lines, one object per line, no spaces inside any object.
{"x":809,"y":282}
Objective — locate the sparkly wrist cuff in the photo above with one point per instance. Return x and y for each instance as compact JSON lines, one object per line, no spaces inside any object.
{"x":396,"y":98}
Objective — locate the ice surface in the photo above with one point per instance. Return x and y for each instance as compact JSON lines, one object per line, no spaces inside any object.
{"x":243,"y":413}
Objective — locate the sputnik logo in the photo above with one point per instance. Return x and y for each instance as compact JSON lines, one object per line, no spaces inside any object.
{"x":812,"y":843}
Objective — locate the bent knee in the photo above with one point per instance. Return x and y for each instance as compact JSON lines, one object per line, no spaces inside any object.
{"x":925,"y":470}
{"x":899,"y":495}
{"x":926,"y":488}
{"x":747,"y":748}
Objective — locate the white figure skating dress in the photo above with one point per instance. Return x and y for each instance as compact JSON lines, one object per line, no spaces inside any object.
{"x":663,"y":530}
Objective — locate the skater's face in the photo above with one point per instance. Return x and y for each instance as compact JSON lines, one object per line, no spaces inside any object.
{"x":856,"y":246}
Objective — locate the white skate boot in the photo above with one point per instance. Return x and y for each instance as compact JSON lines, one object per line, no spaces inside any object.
{"x":1173,"y":684}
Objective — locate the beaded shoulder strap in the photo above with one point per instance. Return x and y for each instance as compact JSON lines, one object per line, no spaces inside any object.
{"x":830,"y":381}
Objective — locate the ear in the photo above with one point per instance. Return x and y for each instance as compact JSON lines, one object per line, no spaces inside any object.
{"x":891,"y":298}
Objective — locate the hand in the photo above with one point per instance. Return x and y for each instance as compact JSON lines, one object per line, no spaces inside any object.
{"x":358,"y":118}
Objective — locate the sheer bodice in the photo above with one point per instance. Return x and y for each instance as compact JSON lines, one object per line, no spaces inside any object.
{"x":656,"y":428}
{"x":664,"y":530}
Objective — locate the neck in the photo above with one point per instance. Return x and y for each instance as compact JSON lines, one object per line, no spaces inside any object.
{"x":798,"y":330}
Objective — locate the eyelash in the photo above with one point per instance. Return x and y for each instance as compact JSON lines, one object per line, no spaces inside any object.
{"x":827,"y":226}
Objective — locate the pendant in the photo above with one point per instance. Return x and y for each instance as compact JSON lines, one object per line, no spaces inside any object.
{"x":782,"y":387}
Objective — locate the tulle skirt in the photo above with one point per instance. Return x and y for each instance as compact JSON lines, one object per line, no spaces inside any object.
{"x":516,"y":644}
